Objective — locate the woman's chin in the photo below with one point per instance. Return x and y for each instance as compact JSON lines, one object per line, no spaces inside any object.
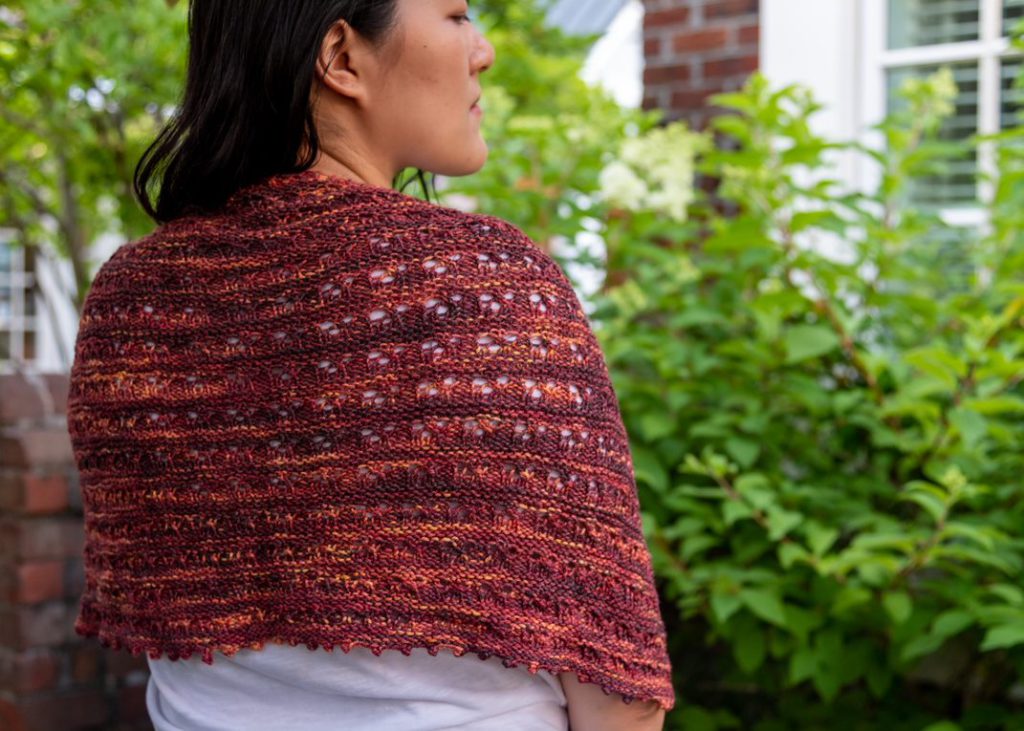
{"x":468,"y":165}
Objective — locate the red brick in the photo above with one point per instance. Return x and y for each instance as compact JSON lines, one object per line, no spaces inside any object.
{"x":38,"y":581}
{"x":729,"y":8}
{"x":652,"y":47}
{"x":666,"y":74}
{"x":73,"y":538}
{"x":670,"y":17}
{"x":87,"y":661}
{"x":70,"y":710}
{"x":692,"y":99}
{"x":30,"y":671}
{"x":42,"y":625}
{"x":730,"y":66}
{"x":701,"y":40}
{"x":74,"y":578}
{"x":33,"y":494}
{"x":131,"y":703}
{"x":121,"y":663}
{"x":42,"y":538}
{"x":37,"y":447}
{"x":10,"y":716}
{"x":45,"y":493}
{"x":12,"y":490}
{"x":20,"y":399}
{"x":749,"y":34}
{"x":59,"y":385}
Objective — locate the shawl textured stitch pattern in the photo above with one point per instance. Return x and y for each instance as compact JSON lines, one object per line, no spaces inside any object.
{"x":335,"y":414}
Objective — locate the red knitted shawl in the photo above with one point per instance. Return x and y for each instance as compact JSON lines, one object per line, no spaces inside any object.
{"x":335,"y":414}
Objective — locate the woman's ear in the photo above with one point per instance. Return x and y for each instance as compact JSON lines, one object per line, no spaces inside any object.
{"x":341,"y":64}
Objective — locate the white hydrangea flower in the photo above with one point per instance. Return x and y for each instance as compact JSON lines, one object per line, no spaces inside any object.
{"x":662,"y":163}
{"x":622,"y":187}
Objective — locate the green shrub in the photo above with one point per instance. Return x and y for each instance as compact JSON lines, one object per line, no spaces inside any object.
{"x":823,"y":393}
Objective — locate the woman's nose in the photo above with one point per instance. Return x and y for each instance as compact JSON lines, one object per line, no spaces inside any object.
{"x":486,"y":53}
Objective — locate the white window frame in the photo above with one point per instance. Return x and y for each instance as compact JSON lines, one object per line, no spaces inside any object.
{"x":989,"y":50}
{"x":17,"y":323}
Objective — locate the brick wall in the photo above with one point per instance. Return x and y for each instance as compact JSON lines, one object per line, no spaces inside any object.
{"x":51,"y":679}
{"x":695,"y":48}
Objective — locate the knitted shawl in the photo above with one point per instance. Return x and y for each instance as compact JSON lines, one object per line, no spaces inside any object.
{"x":332,"y":413}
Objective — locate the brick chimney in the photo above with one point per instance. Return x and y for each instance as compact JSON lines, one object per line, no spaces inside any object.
{"x":696,"y":48}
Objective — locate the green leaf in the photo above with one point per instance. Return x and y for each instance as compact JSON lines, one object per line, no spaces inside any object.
{"x":830,"y":651}
{"x":781,"y":522}
{"x":695,"y":545}
{"x":971,"y":425}
{"x":766,"y":604}
{"x":921,"y":645}
{"x":803,"y":664}
{"x":878,"y":675}
{"x":995,"y":405}
{"x":933,"y":500}
{"x":898,"y":605}
{"x":952,"y":622}
{"x":804,"y":342}
{"x":976,"y":534}
{"x":801,"y":622}
{"x":790,"y":552}
{"x":733,"y":510}
{"x":648,"y":468}
{"x":749,"y":647}
{"x":877,"y":571}
{"x":900,"y":542}
{"x":850,"y":597}
{"x":756,"y":489}
{"x":724,"y":605}
{"x":697,"y":719}
{"x":656,"y":423}
{"x":743,"y":451}
{"x":1005,"y":635}
{"x":819,"y":537}
{"x":1009,"y":593}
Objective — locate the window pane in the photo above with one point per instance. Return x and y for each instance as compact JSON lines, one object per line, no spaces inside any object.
{"x":1010,"y":98}
{"x":29,"y":352}
{"x":6,"y":301}
{"x":6,"y":256}
{"x":28,"y":261}
{"x":1013,"y":11}
{"x":927,"y":22}
{"x":959,"y":185}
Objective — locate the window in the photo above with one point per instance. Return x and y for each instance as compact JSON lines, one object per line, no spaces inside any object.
{"x":1013,"y":11}
{"x":958,"y":185}
{"x":971,"y":38}
{"x":1010,"y":98}
{"x":18,"y":316}
{"x":927,"y":22}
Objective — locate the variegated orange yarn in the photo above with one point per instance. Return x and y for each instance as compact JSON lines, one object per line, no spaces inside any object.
{"x":335,"y":414}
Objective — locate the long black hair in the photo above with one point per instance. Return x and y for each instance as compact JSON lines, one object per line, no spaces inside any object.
{"x":246,"y":112}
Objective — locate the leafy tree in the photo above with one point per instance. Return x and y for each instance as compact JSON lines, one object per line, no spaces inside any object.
{"x":84,"y":87}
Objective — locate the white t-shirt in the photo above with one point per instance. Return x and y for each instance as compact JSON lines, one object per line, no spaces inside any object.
{"x":285,"y":688}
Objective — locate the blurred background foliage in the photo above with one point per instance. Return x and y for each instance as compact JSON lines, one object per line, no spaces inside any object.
{"x":826,"y":429}
{"x":825,"y":418}
{"x":84,"y":88}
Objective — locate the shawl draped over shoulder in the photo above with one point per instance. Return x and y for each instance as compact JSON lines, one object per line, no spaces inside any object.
{"x":334,"y":414}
